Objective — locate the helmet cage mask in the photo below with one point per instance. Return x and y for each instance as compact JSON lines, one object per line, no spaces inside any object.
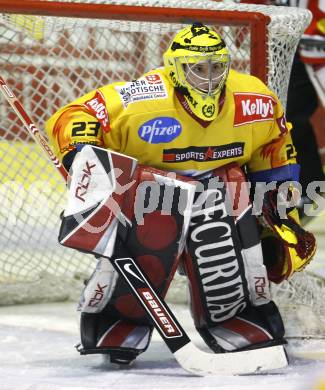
{"x":197,"y":64}
{"x":205,"y":74}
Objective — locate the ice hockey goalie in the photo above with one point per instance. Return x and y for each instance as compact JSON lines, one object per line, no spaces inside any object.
{"x":165,"y":169}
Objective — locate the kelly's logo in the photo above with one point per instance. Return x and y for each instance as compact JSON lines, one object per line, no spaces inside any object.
{"x":97,"y":107}
{"x":253,"y":107}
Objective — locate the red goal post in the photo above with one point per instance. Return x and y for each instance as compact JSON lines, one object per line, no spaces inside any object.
{"x":52,"y":52}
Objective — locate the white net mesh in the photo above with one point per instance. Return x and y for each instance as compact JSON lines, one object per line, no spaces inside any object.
{"x":49,"y":61}
{"x":301,"y":302}
{"x":284,"y":31}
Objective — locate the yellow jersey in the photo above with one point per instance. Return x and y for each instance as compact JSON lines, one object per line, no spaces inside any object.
{"x":148,"y":120}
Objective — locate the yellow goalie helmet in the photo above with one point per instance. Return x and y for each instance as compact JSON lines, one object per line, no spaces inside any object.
{"x":197,"y":64}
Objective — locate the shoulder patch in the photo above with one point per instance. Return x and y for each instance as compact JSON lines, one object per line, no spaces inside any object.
{"x":96,"y":105}
{"x":253,"y":107}
{"x":148,"y":87}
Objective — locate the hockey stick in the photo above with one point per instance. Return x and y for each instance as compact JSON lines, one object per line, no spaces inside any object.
{"x":191,"y":358}
{"x":31,"y":127}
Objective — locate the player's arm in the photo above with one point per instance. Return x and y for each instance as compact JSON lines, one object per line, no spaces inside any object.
{"x":287,"y":247}
{"x":85,"y":121}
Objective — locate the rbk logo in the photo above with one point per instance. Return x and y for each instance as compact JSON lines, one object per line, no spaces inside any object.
{"x":97,"y":296}
{"x":260,"y":288}
{"x":84,"y":181}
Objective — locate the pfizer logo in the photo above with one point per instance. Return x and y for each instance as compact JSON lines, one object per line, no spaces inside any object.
{"x":160,"y":130}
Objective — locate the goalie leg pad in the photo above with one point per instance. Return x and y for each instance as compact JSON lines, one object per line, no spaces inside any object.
{"x":101,"y":330}
{"x":122,"y":340}
{"x":255,"y":327}
{"x":154,"y":241}
{"x":99,"y":288}
{"x":224,"y":264}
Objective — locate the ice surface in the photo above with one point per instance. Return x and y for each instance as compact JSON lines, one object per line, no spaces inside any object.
{"x":36,"y":353}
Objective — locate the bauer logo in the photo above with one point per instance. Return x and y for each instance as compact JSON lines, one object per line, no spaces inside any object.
{"x":158,"y":312}
{"x":252,"y":107}
{"x":160,"y":130}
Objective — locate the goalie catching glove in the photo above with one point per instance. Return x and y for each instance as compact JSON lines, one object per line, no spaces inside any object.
{"x":287,"y":247}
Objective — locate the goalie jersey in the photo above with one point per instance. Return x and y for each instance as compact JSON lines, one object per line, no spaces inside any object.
{"x":151,"y":121}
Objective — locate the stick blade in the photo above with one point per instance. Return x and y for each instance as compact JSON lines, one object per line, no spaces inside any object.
{"x":201,"y":363}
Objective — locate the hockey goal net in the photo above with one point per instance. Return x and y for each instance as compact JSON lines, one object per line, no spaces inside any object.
{"x":52,"y":52}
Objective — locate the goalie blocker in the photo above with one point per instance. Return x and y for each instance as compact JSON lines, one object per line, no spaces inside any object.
{"x":118,"y":208}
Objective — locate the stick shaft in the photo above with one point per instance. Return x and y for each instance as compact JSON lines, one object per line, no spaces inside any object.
{"x":31,"y":127}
